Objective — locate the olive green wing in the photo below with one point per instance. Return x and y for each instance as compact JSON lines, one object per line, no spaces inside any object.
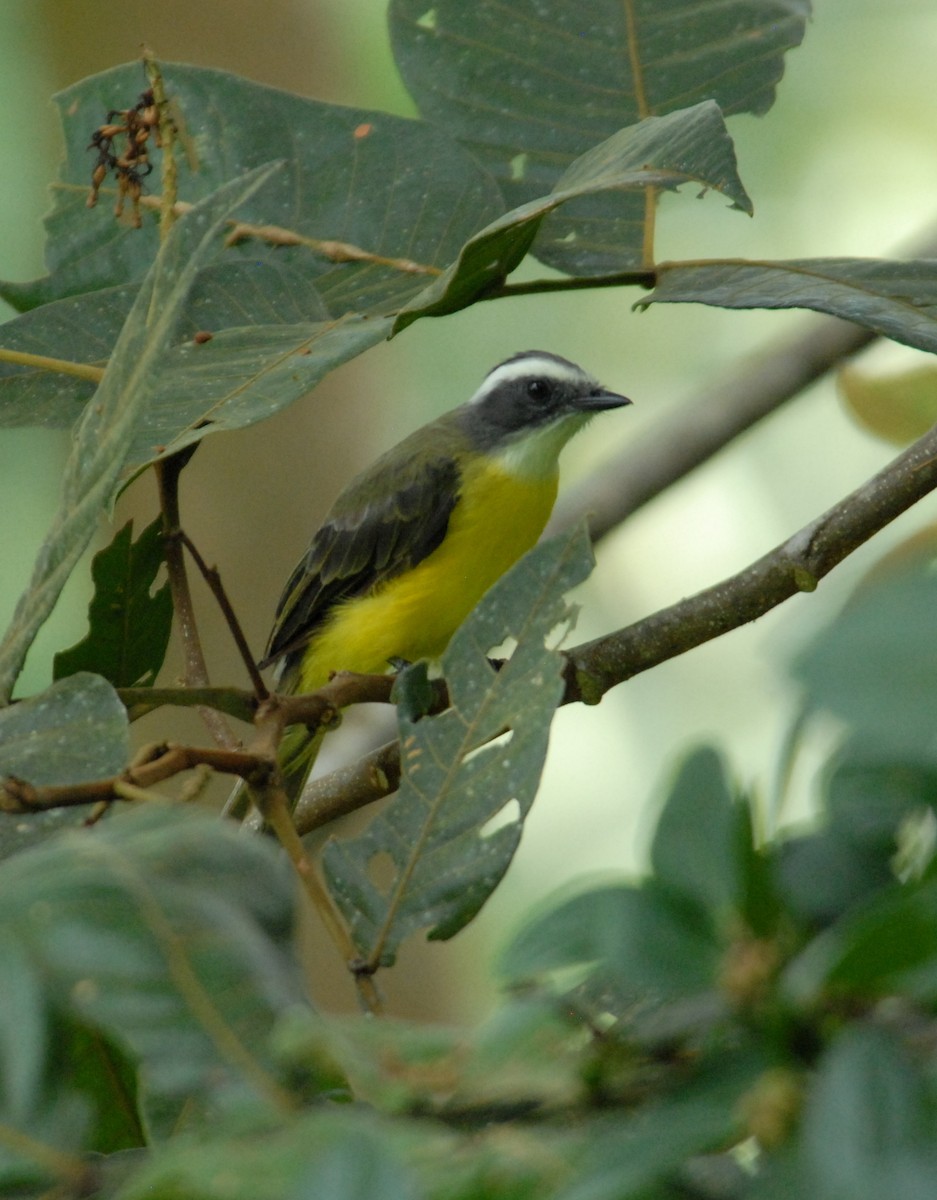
{"x":384,"y":523}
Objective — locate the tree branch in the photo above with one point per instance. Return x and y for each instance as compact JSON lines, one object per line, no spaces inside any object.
{"x":797,"y":565}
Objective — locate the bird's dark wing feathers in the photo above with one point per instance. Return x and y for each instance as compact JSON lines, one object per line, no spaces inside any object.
{"x":363,"y":544}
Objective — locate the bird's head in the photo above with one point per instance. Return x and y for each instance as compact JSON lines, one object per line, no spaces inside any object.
{"x":531,"y":404}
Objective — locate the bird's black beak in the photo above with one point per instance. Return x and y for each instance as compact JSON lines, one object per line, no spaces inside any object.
{"x":600,"y":400}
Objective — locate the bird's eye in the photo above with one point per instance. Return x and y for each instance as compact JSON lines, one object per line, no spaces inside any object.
{"x":538,"y":389}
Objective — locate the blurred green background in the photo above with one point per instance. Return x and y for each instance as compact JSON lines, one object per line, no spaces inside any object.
{"x":844,"y":164}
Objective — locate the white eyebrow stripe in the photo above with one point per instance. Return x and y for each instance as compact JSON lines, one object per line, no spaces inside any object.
{"x":521,"y":368}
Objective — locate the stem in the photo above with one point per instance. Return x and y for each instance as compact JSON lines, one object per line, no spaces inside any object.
{"x":167,"y":139}
{"x":63,"y":365}
{"x":275,"y":808}
{"x":168,"y":471}
{"x":213,"y":579}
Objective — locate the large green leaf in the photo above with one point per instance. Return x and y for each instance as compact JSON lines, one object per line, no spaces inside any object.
{"x":651,"y":1145}
{"x":73,"y":732}
{"x":164,"y":929}
{"x":642,"y":942}
{"x":80,"y":329}
{"x":867,"y":1131}
{"x":242,"y":376}
{"x":893,"y":298}
{"x":530,"y":85}
{"x":691,"y":145}
{"x":444,"y":863}
{"x":107,"y":427}
{"x":233,"y":378}
{"x":392,"y":187}
{"x":129,"y":624}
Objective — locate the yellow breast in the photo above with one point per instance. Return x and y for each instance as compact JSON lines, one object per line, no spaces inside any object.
{"x":500,"y":515}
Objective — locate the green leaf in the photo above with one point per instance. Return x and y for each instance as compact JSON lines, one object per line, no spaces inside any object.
{"x":875,"y":666}
{"x":73,"y":732}
{"x":892,"y":298}
{"x":822,"y":875}
{"x":690,"y":145}
{"x":695,"y":853}
{"x":107,"y":427}
{"x":532,"y":84}
{"x":169,"y":933}
{"x":442,"y":862}
{"x":103,"y":1073}
{"x":392,"y":187}
{"x":889,"y":942}
{"x":869,"y":798}
{"x":79,"y":329}
{"x":867,"y":1131}
{"x":643,"y":942}
{"x":242,"y":376}
{"x":129,"y":624}
{"x":603,"y":233}
{"x":344,"y":1155}
{"x":650,"y":1146}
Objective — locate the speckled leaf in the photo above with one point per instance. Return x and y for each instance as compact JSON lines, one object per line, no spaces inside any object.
{"x":79,"y":329}
{"x":201,"y":385}
{"x":392,"y":187}
{"x":530,"y":85}
{"x":242,"y":376}
{"x":74,"y":732}
{"x":106,"y":429}
{"x":456,"y":779}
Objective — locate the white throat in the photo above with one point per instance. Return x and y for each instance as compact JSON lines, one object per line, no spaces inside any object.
{"x":535,"y":455}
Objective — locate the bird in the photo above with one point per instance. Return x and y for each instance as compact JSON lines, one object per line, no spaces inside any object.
{"x":412,"y":543}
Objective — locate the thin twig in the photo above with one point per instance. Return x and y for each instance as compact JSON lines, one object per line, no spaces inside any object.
{"x":334,"y":251}
{"x":168,"y":471}
{"x":274,"y":806}
{"x":213,"y":579}
{"x":63,"y":366}
{"x":163,"y":762}
{"x":167,"y":142}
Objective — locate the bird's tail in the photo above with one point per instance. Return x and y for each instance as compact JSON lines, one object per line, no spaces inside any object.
{"x":297,"y":755}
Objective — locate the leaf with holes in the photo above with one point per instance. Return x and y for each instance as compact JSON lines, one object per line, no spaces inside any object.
{"x":461,"y":771}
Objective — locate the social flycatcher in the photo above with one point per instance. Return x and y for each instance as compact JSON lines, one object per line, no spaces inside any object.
{"x":414,"y":541}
